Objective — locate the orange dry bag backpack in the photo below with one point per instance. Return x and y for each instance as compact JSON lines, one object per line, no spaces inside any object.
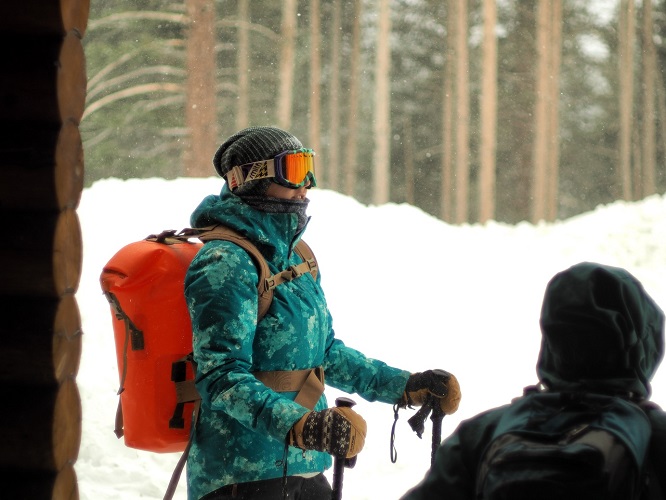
{"x":144,"y":284}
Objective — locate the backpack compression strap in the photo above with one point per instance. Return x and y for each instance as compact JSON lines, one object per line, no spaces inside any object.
{"x":133,"y":337}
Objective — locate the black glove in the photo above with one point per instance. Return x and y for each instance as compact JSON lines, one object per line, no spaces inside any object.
{"x":339,"y":431}
{"x":432,"y":383}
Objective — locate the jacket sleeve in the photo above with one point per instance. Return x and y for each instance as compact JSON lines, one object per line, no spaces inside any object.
{"x":221,"y":293}
{"x":351,"y":371}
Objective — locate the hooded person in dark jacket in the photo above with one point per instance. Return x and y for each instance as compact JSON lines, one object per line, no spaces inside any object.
{"x":602,"y":333}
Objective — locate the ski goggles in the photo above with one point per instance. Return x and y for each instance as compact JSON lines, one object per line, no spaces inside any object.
{"x":292,"y":169}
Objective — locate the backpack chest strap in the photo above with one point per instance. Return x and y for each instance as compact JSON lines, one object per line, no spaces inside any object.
{"x":289,"y":274}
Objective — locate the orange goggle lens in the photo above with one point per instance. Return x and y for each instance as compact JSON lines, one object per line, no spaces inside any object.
{"x":294,"y":168}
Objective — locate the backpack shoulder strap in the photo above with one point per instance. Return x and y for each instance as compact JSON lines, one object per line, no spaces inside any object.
{"x":304,"y":251}
{"x":220,"y":232}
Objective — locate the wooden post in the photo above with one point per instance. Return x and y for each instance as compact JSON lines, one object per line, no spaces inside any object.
{"x":43,"y":91}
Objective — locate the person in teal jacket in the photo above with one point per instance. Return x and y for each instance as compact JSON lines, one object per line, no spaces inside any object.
{"x":602,"y":333}
{"x":252,"y":440}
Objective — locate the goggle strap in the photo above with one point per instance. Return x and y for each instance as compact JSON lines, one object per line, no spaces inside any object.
{"x":263,"y":169}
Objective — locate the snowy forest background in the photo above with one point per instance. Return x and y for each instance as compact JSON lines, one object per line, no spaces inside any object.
{"x":470,"y":110}
{"x":496,"y":141}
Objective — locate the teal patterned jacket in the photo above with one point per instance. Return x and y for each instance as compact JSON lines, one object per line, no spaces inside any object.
{"x":242,"y":427}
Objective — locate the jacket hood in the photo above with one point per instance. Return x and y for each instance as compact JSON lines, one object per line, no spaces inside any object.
{"x":273,"y":233}
{"x":600,"y":331}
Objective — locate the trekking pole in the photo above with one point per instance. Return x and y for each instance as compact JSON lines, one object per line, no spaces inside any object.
{"x":437,"y":416}
{"x":340,"y":461}
{"x":417,"y":423}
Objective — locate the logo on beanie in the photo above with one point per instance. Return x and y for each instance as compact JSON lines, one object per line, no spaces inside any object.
{"x":259,"y":170}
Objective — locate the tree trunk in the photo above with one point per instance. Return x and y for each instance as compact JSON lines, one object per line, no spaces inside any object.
{"x":661,"y":110}
{"x":382,"y":122}
{"x":41,"y":166}
{"x":200,"y":108}
{"x":626,"y":65}
{"x":287,"y":58}
{"x":544,"y":13}
{"x":333,"y":160}
{"x":462,"y":115}
{"x":408,"y":152}
{"x":648,"y":156}
{"x":552,"y":182}
{"x":636,"y":173}
{"x":243,"y":63}
{"x":315,"y":77}
{"x":351,"y":150}
{"x":546,"y":142}
{"x":488,"y":113}
{"x":447,"y":190}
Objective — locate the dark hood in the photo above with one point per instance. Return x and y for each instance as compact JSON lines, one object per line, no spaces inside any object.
{"x":601,"y":331}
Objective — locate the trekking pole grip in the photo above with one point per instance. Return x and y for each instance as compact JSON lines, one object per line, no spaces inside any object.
{"x":340,"y":462}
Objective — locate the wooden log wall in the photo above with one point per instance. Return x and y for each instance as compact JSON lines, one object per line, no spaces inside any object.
{"x":42,"y":92}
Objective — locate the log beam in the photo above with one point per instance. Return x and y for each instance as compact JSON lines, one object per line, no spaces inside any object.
{"x":43,"y":79}
{"x":42,"y":17}
{"x":45,"y":251}
{"x":41,"y":426}
{"x":41,"y":340}
{"x":41,"y":166}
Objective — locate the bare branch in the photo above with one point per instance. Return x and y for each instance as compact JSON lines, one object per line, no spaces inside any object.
{"x":131,"y":92}
{"x":150,"y":70}
{"x":262,"y":30}
{"x":126,"y":57}
{"x":135,"y":16}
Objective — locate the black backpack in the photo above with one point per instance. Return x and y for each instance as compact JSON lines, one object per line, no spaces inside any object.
{"x":566,"y":446}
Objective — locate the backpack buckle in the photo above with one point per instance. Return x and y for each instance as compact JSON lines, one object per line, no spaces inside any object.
{"x":295,"y":272}
{"x":270,"y":283}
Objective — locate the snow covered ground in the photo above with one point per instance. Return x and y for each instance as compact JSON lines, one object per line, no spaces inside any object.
{"x":402,"y":286}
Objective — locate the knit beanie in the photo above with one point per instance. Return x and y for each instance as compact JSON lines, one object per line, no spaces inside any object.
{"x":250,"y":145}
